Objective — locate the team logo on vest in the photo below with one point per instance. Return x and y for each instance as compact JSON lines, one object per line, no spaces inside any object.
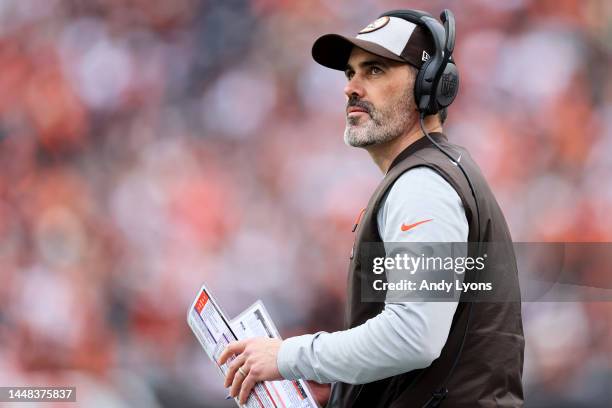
{"x":449,"y":85}
{"x":375,"y":25}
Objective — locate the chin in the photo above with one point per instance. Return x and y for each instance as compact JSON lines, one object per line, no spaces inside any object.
{"x":357,"y":141}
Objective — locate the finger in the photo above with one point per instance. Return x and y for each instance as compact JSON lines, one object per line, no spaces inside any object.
{"x":233,"y":348}
{"x":247,"y":385}
{"x":233,"y":367}
{"x":238,"y":380}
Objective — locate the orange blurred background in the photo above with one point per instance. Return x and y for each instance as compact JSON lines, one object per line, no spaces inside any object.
{"x":149,"y":146}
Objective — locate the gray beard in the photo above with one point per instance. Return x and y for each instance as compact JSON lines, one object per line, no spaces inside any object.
{"x":369,"y":133}
{"x":380,"y":127}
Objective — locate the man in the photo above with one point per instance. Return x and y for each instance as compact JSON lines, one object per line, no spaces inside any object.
{"x":399,"y":353}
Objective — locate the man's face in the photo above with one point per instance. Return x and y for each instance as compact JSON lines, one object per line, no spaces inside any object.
{"x":380,"y":104}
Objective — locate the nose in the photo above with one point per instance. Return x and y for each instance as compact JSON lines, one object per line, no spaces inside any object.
{"x":354,"y":88}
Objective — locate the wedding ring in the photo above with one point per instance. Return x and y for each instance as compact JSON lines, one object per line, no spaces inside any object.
{"x":241,"y":371}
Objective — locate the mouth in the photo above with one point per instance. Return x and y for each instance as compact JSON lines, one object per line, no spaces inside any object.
{"x":356,"y":111}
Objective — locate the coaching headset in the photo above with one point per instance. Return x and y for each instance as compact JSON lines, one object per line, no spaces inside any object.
{"x":437,"y":82}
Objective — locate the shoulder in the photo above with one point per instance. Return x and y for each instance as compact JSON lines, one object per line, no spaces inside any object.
{"x":424,"y":180}
{"x":418,"y":187}
{"x":422,"y":196}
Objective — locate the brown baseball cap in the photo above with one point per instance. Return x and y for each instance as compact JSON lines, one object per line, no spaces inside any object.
{"x":388,"y":36}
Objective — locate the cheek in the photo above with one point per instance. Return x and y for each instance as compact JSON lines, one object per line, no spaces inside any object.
{"x":394,"y":97}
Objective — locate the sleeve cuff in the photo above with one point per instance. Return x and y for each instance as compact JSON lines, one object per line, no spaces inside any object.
{"x":288,"y":359}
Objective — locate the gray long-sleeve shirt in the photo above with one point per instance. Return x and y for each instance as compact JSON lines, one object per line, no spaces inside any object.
{"x":405,"y":335}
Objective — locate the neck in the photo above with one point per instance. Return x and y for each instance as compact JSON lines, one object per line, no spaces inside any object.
{"x":384,"y":154}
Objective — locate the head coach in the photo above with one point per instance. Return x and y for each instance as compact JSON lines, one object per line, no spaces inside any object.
{"x":401,"y":78}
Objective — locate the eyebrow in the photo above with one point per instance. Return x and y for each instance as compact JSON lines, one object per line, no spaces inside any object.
{"x":368,"y":63}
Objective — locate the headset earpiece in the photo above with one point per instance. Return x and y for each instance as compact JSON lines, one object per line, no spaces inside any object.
{"x":448,"y":86}
{"x":448,"y":82}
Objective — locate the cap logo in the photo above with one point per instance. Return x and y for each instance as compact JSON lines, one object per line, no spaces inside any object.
{"x":425,"y":56}
{"x":375,"y":25}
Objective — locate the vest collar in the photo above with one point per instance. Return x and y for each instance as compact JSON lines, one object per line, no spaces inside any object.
{"x":418,"y":145}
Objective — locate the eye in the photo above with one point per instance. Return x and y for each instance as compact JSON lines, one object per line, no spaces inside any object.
{"x":349,"y":74}
{"x":375,"y":70}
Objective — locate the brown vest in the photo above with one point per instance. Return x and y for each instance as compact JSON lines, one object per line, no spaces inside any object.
{"x":489,"y":370}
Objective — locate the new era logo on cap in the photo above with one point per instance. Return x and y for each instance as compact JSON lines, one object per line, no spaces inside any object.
{"x":425,"y":56}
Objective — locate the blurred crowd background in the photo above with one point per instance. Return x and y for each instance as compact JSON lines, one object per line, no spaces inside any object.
{"x":147,"y":146}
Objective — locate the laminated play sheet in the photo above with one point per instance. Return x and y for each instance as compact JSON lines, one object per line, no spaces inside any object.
{"x":214,"y":332}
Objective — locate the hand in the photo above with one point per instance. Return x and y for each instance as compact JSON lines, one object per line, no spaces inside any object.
{"x":320,"y":392}
{"x":256,"y":359}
